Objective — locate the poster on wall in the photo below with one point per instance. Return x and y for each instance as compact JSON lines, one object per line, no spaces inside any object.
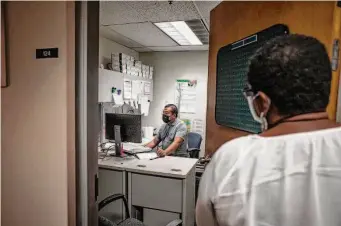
{"x":188,"y":124}
{"x":198,"y":126}
{"x":186,"y":95}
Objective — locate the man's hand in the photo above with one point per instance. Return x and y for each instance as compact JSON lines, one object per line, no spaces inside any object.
{"x":161,"y":153}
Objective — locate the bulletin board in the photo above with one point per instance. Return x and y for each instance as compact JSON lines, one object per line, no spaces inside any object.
{"x":231,"y":108}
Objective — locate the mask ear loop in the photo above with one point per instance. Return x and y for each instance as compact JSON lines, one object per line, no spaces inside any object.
{"x":264,"y":122}
{"x":250,"y":100}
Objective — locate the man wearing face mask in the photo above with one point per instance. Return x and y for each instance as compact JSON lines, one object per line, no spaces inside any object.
{"x":172,"y":135}
{"x":289,"y":175}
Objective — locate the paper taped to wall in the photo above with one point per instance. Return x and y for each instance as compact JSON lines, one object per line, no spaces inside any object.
{"x":147,"y":88}
{"x":198,"y":126}
{"x":186,"y":95}
{"x":118,"y":99}
{"x":144,"y":105}
{"x":137,"y":89}
{"x":127,"y":89}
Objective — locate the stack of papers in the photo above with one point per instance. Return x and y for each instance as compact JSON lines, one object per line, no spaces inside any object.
{"x":148,"y":155}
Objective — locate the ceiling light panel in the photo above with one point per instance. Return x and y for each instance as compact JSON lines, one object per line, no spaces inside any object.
{"x":180,"y":32}
{"x":147,"y":34}
{"x":199,"y":29}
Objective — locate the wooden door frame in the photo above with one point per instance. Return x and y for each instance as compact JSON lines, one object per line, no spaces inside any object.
{"x":87,"y":110}
{"x":338,"y":112}
{"x":334,"y":89}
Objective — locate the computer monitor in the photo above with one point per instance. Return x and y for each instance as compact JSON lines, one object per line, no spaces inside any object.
{"x":130,"y":127}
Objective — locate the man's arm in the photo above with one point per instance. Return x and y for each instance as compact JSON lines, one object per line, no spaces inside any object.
{"x":157,"y":139}
{"x":174,"y":146}
{"x":152,"y":144}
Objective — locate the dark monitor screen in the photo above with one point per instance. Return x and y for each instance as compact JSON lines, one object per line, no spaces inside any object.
{"x":130,"y":127}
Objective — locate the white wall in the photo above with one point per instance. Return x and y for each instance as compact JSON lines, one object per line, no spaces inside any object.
{"x":106,"y":47}
{"x":168,"y":67}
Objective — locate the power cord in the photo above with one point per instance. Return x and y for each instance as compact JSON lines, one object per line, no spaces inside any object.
{"x":105,"y":150}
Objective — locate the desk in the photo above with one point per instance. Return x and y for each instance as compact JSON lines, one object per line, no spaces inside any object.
{"x":113,"y":179}
{"x":158,"y":191}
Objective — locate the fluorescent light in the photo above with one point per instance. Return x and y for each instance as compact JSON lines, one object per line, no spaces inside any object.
{"x":180,"y":32}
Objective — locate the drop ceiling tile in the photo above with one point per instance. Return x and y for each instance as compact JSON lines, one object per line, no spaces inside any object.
{"x":118,"y":12}
{"x":122,"y":12}
{"x":207,"y":20}
{"x":205,"y":7}
{"x":147,"y":34}
{"x":179,"y":48}
{"x":156,"y":11}
{"x":108,"y":33}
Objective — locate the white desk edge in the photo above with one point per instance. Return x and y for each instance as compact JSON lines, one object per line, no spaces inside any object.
{"x":175,"y":167}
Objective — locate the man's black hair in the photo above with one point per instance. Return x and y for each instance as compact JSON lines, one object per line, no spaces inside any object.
{"x":174,"y":108}
{"x":295,"y":72}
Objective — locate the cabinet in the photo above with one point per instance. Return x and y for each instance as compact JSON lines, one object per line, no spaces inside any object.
{"x":112,"y":182}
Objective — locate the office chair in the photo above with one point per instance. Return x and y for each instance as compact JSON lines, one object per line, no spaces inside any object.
{"x":103,"y":221}
{"x":194,"y":142}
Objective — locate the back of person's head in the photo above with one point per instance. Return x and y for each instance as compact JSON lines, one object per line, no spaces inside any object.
{"x":294,"y":71}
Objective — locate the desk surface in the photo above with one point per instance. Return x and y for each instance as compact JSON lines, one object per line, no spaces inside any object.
{"x":168,"y":166}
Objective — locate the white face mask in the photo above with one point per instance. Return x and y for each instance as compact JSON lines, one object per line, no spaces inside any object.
{"x":261,"y":119}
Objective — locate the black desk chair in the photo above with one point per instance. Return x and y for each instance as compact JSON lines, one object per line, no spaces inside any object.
{"x":194,"y":142}
{"x":103,"y":221}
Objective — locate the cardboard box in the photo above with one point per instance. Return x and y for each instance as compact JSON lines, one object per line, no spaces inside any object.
{"x":119,"y":57}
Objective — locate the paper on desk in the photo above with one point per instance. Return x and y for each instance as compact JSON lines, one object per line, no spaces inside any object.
{"x":148,"y":155}
{"x":144,"y":105}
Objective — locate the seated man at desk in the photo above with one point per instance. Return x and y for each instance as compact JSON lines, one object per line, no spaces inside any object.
{"x":172,"y":134}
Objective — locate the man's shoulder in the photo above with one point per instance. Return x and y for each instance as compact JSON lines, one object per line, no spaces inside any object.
{"x":181,"y":124}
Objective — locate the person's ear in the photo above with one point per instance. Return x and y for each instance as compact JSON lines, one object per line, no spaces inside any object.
{"x":262,"y":103}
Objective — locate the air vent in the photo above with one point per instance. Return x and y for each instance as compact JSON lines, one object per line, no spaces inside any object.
{"x":199,"y":29}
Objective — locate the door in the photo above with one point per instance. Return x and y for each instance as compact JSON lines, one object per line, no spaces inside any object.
{"x":231,"y":21}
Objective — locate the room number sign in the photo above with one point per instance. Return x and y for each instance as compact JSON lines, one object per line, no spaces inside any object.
{"x":47,"y":53}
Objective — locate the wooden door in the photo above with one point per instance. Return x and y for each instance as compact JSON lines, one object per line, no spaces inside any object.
{"x":231,"y":21}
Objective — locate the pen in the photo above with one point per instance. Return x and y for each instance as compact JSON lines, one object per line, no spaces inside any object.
{"x":154,"y":158}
